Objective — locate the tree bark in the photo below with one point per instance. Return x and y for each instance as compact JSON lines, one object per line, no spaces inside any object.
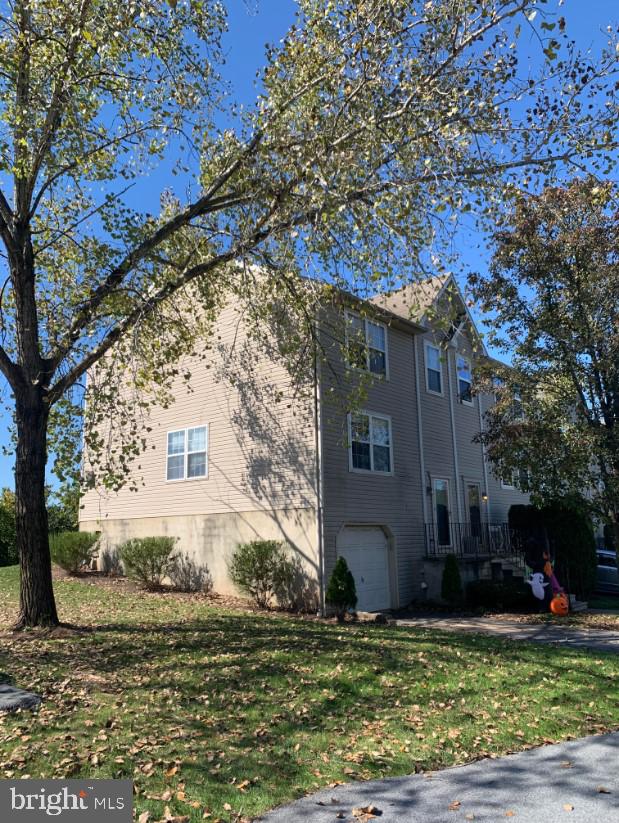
{"x":37,"y":605}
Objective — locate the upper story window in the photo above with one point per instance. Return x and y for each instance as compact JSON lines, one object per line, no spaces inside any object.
{"x":370,"y":442}
{"x":434,"y":370}
{"x":186,"y":457}
{"x":519,"y":480}
{"x":367,"y":344}
{"x":465,"y":379}
{"x":517,"y":410}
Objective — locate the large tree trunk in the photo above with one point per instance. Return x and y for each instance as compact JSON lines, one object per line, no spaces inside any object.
{"x":37,"y":606}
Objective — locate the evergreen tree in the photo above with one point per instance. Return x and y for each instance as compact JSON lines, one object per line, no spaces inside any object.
{"x":341,"y":591}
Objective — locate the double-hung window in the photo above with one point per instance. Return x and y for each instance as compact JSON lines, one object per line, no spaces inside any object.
{"x":519,"y":479}
{"x":187,"y":454}
{"x":465,"y":379}
{"x":367,"y":344}
{"x":370,"y":442}
{"x":434,"y":373}
{"x":517,"y":410}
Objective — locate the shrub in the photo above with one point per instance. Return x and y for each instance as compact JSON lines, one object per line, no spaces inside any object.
{"x":572,"y":543}
{"x":147,"y":560}
{"x":109,"y":562}
{"x":341,"y":592}
{"x":261,"y":568}
{"x":72,"y":550}
{"x":188,"y":576}
{"x":451,"y":584}
{"x":571,"y":539}
{"x":503,"y":595}
{"x":8,"y":547}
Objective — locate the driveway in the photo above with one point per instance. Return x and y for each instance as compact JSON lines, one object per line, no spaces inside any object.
{"x":597,"y":639}
{"x":575,"y":782}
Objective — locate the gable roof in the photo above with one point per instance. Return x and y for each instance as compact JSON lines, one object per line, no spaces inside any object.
{"x":415,"y":300}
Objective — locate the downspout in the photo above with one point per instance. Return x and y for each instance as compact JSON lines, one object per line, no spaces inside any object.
{"x":319,"y":481}
{"x":453,"y":435}
{"x":483,"y":459}
{"x":422,"y":457}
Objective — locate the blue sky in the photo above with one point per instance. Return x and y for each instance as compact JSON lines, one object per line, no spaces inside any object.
{"x":253,"y":23}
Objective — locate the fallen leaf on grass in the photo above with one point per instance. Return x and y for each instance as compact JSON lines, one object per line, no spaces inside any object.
{"x":171,"y":818}
{"x":143,"y":818}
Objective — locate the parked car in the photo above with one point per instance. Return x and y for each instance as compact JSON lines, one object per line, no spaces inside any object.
{"x":607,"y":574}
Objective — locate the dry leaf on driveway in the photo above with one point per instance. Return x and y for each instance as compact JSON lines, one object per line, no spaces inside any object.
{"x":454,"y":805}
{"x":567,"y":807}
{"x":365,"y":813}
{"x":603,"y":790}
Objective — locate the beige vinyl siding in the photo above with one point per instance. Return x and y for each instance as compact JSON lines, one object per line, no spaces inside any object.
{"x":261,"y":454}
{"x":465,"y":463}
{"x":392,"y":501}
{"x":500,"y":498}
{"x":467,"y":428}
{"x":436,"y":427}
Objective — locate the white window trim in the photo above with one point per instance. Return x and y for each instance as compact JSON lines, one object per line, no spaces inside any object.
{"x":186,"y":454}
{"x":385,"y":328}
{"x":426,"y":345}
{"x":434,"y":478}
{"x":470,"y":402}
{"x":373,"y":472}
{"x":510,"y":486}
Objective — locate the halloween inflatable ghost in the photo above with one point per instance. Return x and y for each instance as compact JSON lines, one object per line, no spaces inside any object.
{"x":536,"y":581}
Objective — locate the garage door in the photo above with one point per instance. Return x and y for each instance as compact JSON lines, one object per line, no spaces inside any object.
{"x":365,"y":549}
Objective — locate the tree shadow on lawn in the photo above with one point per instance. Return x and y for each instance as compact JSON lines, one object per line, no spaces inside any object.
{"x":256,"y":687}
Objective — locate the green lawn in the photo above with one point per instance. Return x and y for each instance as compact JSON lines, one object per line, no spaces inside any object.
{"x":233,"y":713}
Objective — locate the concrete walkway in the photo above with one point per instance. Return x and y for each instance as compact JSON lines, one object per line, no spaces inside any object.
{"x":597,"y":639}
{"x":575,"y":782}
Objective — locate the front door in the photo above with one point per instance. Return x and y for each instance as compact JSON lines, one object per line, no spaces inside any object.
{"x":441,"y":513}
{"x":473,"y":504}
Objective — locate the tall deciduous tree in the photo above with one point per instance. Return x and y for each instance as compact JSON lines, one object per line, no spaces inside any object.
{"x":553,"y":288}
{"x":374,"y":117}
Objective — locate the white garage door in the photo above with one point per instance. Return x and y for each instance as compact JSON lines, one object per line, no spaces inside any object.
{"x":365,"y":549}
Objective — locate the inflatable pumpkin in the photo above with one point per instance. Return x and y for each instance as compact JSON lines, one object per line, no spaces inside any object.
{"x":560,"y":604}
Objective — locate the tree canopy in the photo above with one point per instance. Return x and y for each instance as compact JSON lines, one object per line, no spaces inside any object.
{"x":553,"y":288}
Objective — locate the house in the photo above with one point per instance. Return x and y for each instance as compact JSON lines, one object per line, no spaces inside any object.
{"x":394,"y":485}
